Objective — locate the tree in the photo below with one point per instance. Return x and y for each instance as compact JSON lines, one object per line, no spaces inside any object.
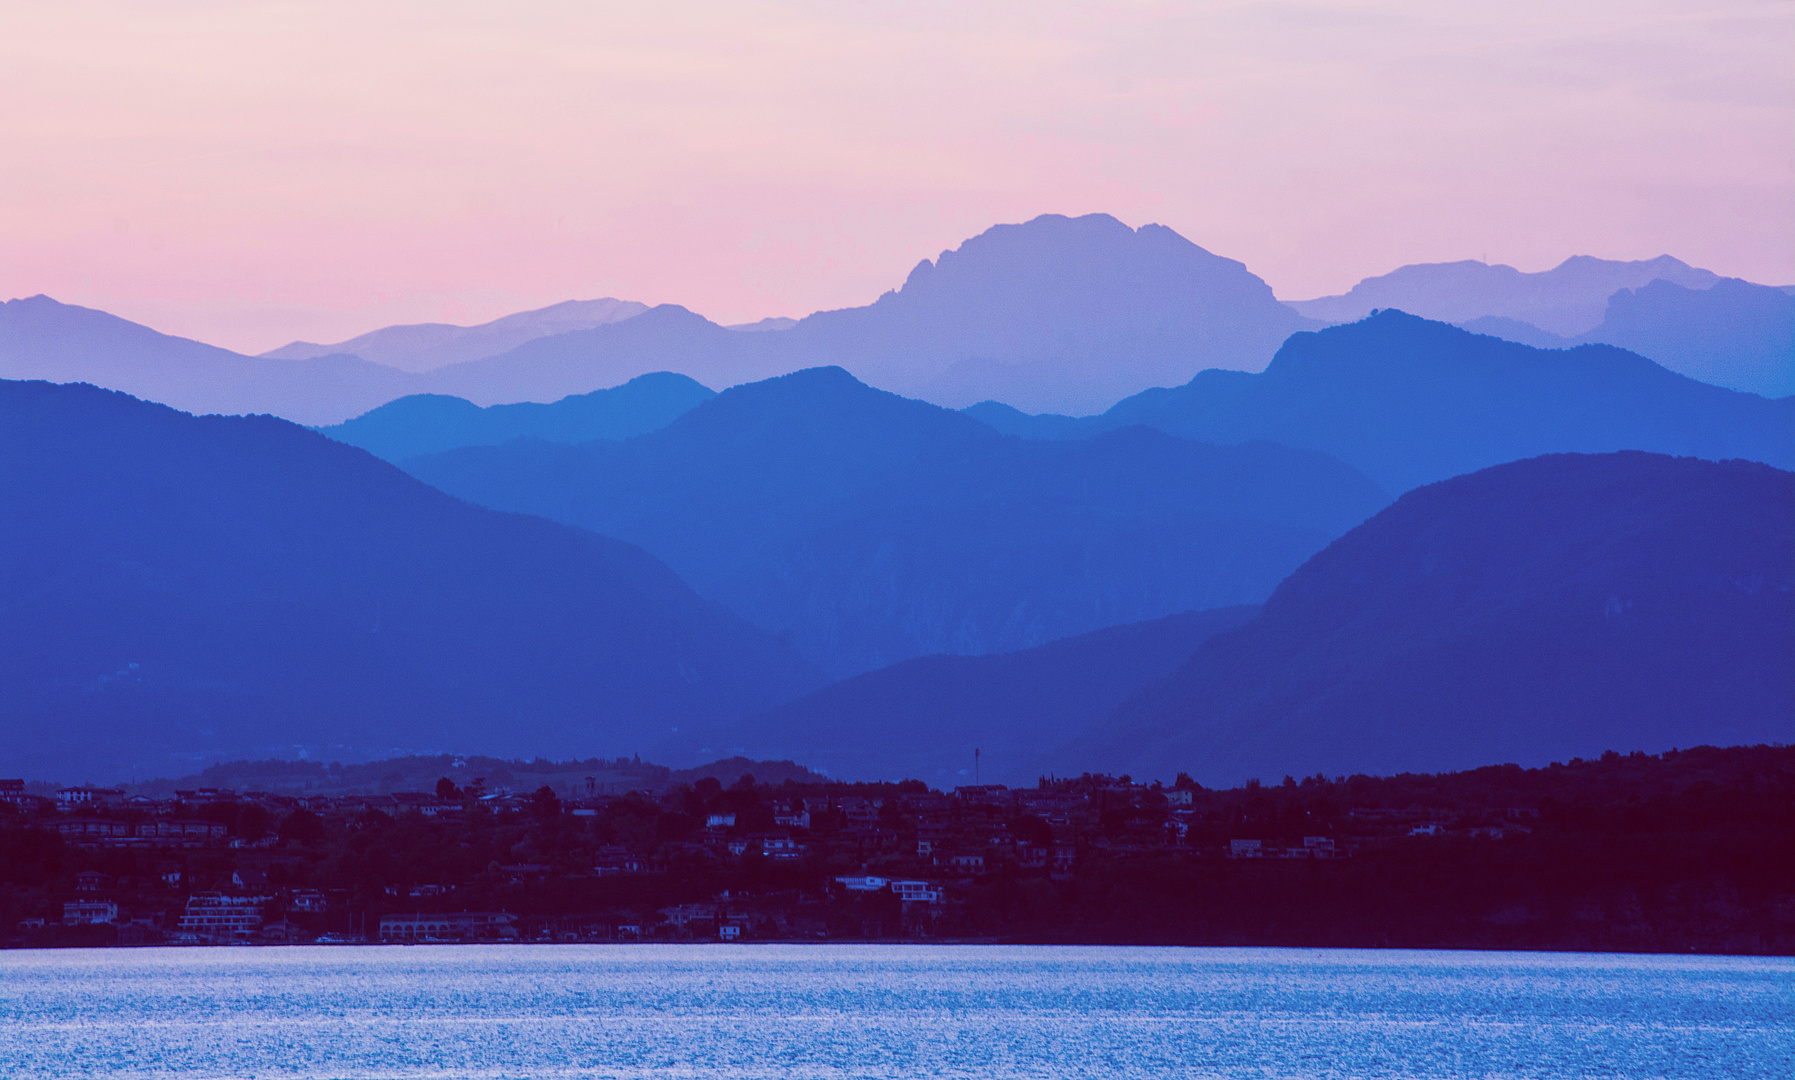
{"x":302,"y":827}
{"x":446,"y":790}
{"x":545,"y":804}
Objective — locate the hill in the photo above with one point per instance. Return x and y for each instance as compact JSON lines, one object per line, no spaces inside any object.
{"x":1408,"y":402}
{"x":422,"y":347}
{"x":43,"y":339}
{"x":1567,"y":300}
{"x":923,"y":718}
{"x":432,"y":423}
{"x":1732,"y":334}
{"x":872,"y":528}
{"x":213,"y":587}
{"x":1540,"y":610}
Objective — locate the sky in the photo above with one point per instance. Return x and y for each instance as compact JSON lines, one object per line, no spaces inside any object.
{"x":249,"y":173}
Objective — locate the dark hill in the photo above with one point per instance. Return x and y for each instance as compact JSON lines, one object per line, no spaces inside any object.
{"x":1409,"y":402}
{"x":1544,"y":609}
{"x":433,"y":423}
{"x":923,"y":718}
{"x":178,"y":588}
{"x":872,"y":528}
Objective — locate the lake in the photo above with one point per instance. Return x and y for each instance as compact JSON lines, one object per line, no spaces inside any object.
{"x":798,"y":1011}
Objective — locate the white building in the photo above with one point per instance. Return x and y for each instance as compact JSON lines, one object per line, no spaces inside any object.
{"x":215,"y":915}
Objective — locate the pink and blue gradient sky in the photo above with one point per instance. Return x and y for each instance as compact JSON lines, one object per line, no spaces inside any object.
{"x":252,"y":172}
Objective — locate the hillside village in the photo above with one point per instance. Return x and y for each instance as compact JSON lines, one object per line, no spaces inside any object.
{"x":1085,"y":858}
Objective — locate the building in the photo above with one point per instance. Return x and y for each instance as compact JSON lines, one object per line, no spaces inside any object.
{"x":1245,"y":849}
{"x":219,"y":917}
{"x":92,"y":881}
{"x":89,"y":912}
{"x":916,"y":892}
{"x":448,"y":926}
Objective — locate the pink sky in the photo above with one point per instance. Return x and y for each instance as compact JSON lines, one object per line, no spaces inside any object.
{"x":249,"y":173}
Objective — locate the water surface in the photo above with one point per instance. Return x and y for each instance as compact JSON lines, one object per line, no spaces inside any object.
{"x":799,"y":1011}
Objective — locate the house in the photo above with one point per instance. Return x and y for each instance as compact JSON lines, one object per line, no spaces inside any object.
{"x":221,"y":918}
{"x":729,"y":931}
{"x":1245,"y":849}
{"x":70,"y":798}
{"x":972,"y":864}
{"x":91,"y":881}
{"x":916,"y":892}
{"x":1320,"y":847}
{"x":308,"y":900}
{"x":250,"y":879}
{"x":448,"y":926}
{"x":1178,"y":798}
{"x":89,"y":912}
{"x":720,"y":821}
{"x":863,"y":883}
{"x":793,"y":819}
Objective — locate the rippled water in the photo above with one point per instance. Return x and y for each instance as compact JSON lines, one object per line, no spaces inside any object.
{"x":794,"y":1011}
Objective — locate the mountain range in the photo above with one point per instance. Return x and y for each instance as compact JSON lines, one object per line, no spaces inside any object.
{"x":433,"y":423}
{"x":1567,"y":300}
{"x":425,"y":346}
{"x":184,"y":588}
{"x":1057,"y":314}
{"x":1732,"y":333}
{"x":924,"y":718}
{"x":868,"y":528}
{"x":1409,"y":401}
{"x":1539,"y":610}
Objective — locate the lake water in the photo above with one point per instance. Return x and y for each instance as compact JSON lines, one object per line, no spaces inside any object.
{"x":798,"y":1011}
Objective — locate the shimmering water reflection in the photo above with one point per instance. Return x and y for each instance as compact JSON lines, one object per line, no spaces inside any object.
{"x":797,"y":1011}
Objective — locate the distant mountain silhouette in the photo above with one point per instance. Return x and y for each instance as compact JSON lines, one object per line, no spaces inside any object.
{"x":426,"y":346}
{"x":923,"y":718}
{"x":1733,"y":334}
{"x":1408,"y":402}
{"x":43,"y":339}
{"x":1067,"y":314}
{"x":1058,"y":313}
{"x":664,"y":338}
{"x":1539,"y":610}
{"x":177,"y":588}
{"x":872,"y":528}
{"x":432,"y":423}
{"x":1567,"y":300}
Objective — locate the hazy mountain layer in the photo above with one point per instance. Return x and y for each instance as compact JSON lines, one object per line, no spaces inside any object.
{"x":872,"y":528}
{"x":433,"y":423}
{"x":1409,"y":402}
{"x":43,"y":339}
{"x":426,"y":346}
{"x":1058,"y":313}
{"x":923,"y":718}
{"x":1567,"y":300}
{"x":1539,"y":610}
{"x":1733,"y":334}
{"x":180,"y":588}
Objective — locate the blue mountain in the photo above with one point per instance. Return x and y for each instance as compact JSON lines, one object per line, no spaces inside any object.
{"x":924,"y":718}
{"x":1409,"y":401}
{"x":182,"y":588}
{"x":1555,"y":607}
{"x":432,"y":423}
{"x":871,"y":528}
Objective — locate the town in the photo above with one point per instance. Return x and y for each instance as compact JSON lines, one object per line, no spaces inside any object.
{"x":1693,"y":846}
